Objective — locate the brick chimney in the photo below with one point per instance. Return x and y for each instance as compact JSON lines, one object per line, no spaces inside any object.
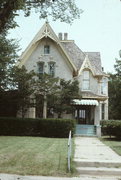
{"x":65,"y":36}
{"x":60,"y":36}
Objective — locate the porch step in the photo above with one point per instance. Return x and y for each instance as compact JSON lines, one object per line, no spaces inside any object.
{"x":92,"y":157}
{"x":87,"y":130}
{"x":107,"y":164}
{"x":99,"y":171}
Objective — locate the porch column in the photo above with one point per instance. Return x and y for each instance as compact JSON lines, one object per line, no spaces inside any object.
{"x":31,"y":112}
{"x":97,"y":115}
{"x":97,"y":120}
{"x":106,"y":110}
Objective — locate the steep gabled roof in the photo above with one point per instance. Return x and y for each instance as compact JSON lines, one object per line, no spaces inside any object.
{"x":95,"y":60}
{"x":45,"y":32}
{"x":75,"y":53}
{"x":78,"y":57}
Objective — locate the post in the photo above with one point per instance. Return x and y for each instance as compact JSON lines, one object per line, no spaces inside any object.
{"x":69,"y":152}
{"x":98,"y":130}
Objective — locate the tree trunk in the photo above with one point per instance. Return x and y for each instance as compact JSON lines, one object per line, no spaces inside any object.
{"x":45,"y":107}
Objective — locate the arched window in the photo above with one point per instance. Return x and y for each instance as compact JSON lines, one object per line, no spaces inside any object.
{"x":86,"y":80}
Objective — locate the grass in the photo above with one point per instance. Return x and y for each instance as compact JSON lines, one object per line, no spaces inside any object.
{"x":113,"y":143}
{"x":33,"y":156}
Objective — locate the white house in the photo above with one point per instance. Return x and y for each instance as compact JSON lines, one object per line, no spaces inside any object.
{"x":61,"y":57}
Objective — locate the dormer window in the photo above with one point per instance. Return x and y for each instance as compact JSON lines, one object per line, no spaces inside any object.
{"x":86,"y":80}
{"x":51,"y":68}
{"x":46,"y":49}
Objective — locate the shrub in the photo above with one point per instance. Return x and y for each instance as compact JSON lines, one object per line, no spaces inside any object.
{"x":111,"y":128}
{"x":58,"y":128}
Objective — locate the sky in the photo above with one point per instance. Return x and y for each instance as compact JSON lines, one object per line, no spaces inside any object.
{"x":97,"y":30}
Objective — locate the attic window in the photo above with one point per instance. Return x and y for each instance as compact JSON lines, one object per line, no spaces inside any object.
{"x":46,"y":49}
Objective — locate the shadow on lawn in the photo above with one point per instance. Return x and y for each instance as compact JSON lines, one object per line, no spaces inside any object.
{"x":110,"y":138}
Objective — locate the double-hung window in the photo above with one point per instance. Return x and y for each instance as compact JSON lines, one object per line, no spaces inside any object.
{"x":104,"y":86}
{"x":51,"y":66}
{"x":41,"y":68}
{"x":86,"y":80}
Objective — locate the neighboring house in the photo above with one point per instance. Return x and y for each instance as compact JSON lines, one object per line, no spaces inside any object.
{"x":62,"y":58}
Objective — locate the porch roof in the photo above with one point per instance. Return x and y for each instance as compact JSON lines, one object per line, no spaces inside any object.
{"x":91,"y":95}
{"x":85,"y":102}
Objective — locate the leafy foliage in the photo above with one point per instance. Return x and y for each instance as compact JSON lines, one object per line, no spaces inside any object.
{"x":8,"y":55}
{"x":45,"y":85}
{"x":111,"y":128}
{"x":69,"y":90}
{"x":8,"y":103}
{"x":37,"y":127}
{"x":65,"y":10}
{"x":23,"y":82}
{"x":115,"y":92}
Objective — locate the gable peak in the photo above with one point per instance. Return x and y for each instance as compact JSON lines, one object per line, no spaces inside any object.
{"x":46,"y":30}
{"x":86,"y":65}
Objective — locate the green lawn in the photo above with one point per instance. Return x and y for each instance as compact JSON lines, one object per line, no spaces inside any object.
{"x":33,"y":156}
{"x":113,"y":143}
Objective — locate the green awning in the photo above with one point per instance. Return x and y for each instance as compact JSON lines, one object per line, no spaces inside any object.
{"x":85,"y":102}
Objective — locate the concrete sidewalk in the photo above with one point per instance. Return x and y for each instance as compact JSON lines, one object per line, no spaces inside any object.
{"x":92,"y":149}
{"x":17,"y":177}
{"x":92,"y":157}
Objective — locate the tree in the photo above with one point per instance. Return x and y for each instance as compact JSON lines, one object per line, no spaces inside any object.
{"x":46,"y":85}
{"x":23,"y":82}
{"x":8,"y":56}
{"x":115,"y":92}
{"x":69,"y":90}
{"x":65,"y":10}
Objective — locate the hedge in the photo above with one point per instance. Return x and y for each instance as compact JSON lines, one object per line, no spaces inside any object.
{"x":58,"y":128}
{"x":111,"y":128}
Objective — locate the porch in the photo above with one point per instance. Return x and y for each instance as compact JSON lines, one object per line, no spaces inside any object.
{"x":87,"y":114}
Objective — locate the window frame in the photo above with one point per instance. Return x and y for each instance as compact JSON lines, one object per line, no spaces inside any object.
{"x":52,"y":73}
{"x":39,"y":64}
{"x":46,"y":49}
{"x":104,"y":86}
{"x":86,"y":81}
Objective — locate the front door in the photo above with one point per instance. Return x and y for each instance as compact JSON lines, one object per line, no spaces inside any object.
{"x":84,"y":114}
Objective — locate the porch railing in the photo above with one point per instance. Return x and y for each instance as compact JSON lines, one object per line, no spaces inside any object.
{"x":69,"y":152}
